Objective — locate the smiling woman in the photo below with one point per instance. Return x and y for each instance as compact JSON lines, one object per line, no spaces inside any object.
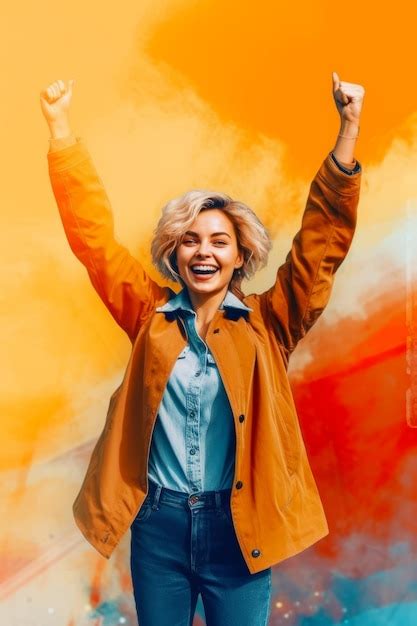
{"x":215,"y":214}
{"x":202,"y":456}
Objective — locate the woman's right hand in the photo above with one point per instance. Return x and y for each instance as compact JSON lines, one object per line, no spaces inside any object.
{"x":55,"y":104}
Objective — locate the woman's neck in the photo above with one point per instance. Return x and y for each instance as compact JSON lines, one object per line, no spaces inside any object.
{"x":206,"y":305}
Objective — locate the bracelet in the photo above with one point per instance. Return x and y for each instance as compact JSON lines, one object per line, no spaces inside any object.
{"x":347,"y":137}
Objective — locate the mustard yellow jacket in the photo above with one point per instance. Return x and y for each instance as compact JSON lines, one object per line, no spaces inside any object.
{"x":276,"y":508}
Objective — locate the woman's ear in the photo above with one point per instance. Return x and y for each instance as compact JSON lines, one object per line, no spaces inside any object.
{"x":240,"y":260}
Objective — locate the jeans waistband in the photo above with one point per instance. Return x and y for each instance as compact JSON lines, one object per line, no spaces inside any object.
{"x":197,"y":499}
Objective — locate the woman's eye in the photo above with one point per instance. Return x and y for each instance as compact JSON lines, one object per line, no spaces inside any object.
{"x":216,"y":242}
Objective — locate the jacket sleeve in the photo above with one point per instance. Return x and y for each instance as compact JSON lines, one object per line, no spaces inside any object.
{"x":303,"y":283}
{"x":119,"y":279}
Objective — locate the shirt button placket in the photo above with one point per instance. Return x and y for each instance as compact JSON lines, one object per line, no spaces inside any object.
{"x":193,"y":402}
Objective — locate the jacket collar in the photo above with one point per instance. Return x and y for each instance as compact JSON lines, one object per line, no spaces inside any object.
{"x":181,"y":301}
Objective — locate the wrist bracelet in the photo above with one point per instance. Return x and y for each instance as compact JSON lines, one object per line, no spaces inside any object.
{"x":347,"y":136}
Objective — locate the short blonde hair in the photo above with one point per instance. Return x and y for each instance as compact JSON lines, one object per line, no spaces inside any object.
{"x":178,"y":215}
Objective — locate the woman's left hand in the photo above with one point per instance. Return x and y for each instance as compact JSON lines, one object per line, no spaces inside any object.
{"x":348,"y":98}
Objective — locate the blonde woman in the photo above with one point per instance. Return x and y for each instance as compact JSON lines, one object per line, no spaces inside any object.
{"x":201,"y":455}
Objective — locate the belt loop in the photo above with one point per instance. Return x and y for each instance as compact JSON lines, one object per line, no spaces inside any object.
{"x":218,"y":499}
{"x":156,"y":497}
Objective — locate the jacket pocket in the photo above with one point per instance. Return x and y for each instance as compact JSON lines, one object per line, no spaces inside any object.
{"x":289,"y":432}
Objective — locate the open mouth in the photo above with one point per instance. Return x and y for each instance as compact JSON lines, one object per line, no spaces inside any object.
{"x":204,"y":270}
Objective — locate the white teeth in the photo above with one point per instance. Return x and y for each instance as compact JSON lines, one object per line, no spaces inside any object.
{"x":204,"y":268}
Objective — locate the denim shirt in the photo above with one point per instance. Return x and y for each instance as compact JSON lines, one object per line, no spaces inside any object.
{"x":193,"y":442}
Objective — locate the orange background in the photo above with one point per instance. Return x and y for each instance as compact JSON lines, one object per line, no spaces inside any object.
{"x":172,"y":95}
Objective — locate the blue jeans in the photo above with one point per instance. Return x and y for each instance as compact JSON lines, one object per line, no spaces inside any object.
{"x":183,"y":545}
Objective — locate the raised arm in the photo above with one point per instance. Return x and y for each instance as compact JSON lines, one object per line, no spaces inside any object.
{"x":119,"y":279}
{"x":303,"y":283}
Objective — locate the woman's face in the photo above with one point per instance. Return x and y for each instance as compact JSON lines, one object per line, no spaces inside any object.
{"x":208,"y":253}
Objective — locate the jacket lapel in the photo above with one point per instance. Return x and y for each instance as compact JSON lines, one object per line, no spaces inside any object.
{"x":164,"y":342}
{"x":235,"y":355}
{"x":228,"y":340}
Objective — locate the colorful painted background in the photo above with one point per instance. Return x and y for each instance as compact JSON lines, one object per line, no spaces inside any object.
{"x":172,"y":95}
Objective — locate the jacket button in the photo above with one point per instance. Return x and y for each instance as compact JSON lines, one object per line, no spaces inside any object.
{"x":216,"y":330}
{"x":256,"y":552}
{"x":241,"y":418}
{"x":239,"y":484}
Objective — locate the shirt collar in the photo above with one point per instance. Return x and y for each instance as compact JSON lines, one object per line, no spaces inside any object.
{"x":181,"y":301}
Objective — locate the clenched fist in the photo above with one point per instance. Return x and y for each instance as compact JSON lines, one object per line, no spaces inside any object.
{"x":348,"y":98}
{"x":55,"y":101}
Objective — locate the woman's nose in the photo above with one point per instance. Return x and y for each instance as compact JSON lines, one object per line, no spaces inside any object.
{"x":204,"y":249}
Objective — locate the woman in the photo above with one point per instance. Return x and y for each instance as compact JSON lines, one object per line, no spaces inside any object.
{"x":201,"y":455}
